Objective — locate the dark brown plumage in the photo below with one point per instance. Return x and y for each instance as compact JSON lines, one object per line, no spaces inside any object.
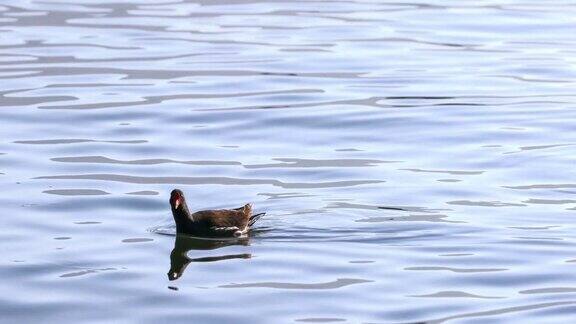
{"x":211,"y":223}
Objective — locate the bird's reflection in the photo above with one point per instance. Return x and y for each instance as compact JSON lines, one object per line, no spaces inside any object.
{"x":179,"y":259}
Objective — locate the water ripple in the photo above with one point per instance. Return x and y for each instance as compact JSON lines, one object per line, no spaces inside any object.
{"x":209,"y":180}
{"x":339,"y":283}
{"x":389,"y":143}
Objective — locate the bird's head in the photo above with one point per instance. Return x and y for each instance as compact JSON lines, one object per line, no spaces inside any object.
{"x":177,"y":200}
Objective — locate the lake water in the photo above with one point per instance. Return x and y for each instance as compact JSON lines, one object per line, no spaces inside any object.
{"x":415,"y":160}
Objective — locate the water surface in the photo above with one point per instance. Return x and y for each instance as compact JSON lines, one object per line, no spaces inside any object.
{"x":414,"y":160}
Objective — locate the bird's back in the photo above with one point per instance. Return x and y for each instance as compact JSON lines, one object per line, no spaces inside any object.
{"x":222,"y":218}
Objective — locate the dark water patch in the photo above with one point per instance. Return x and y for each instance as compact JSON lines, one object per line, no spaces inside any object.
{"x":306,"y":163}
{"x":285,"y":195}
{"x":339,"y":283}
{"x":550,"y":201}
{"x":414,"y":209}
{"x":347,"y":205}
{"x":455,"y":294}
{"x":348,"y":150}
{"x":541,"y":242}
{"x":389,"y":234}
{"x":32,"y":101}
{"x":361,"y":261}
{"x":542,"y":147}
{"x":74,"y":141}
{"x":434,"y":218}
{"x":76,"y":192}
{"x":144,"y":193}
{"x":532,"y":228}
{"x":457,"y":270}
{"x":570,"y":192}
{"x":320,"y":320}
{"x":105,"y":160}
{"x":484,"y":203}
{"x":137,"y":240}
{"x":543,"y":186}
{"x":91,"y":204}
{"x":452,"y":172}
{"x":391,"y":208}
{"x":210,"y":180}
{"x":371,"y":102}
{"x":552,"y":290}
{"x":84,"y":272}
{"x":513,"y":128}
{"x":151,"y":100}
{"x":538,"y":238}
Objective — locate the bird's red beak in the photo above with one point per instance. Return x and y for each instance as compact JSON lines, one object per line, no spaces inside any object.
{"x":176,"y":200}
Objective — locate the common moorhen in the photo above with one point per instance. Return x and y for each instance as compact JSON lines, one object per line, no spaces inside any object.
{"x":211,"y":223}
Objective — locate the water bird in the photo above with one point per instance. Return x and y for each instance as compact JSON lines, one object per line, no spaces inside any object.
{"x":211,"y":223}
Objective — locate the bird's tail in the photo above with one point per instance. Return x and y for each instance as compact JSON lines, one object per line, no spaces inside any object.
{"x":255,"y":218}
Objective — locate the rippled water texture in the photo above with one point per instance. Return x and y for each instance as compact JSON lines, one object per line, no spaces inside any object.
{"x":415,"y":160}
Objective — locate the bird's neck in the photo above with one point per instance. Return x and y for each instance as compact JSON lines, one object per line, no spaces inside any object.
{"x":182,"y":217}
